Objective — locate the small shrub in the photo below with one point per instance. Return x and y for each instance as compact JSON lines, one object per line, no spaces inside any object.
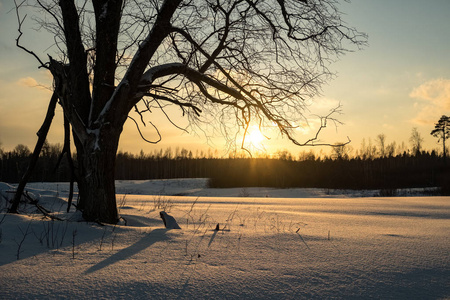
{"x":244,"y":193}
{"x":162,"y":203}
{"x":122,"y":201}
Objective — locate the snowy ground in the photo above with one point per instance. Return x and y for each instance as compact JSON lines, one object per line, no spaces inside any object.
{"x":272,"y":244}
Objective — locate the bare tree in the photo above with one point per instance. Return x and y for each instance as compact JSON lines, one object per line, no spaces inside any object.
{"x":416,"y":141}
{"x":341,"y":151}
{"x":442,"y":132}
{"x":368,"y":151}
{"x":390,"y":149}
{"x":239,"y":62}
{"x":381,"y":139}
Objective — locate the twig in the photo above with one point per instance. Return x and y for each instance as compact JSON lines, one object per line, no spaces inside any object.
{"x":24,"y":236}
{"x":74,"y":233}
{"x":142,"y":136}
{"x":102,"y":239}
{"x":43,"y":210}
{"x":20,"y":22}
{"x":297,"y":232}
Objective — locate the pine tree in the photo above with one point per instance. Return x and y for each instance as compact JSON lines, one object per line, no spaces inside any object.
{"x":442,"y":132}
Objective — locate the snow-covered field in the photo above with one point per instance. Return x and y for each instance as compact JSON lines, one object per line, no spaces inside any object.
{"x":271,"y":244}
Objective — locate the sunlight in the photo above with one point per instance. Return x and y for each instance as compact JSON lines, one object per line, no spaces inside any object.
{"x":255,"y":137}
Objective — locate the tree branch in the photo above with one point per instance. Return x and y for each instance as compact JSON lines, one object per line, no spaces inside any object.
{"x":42,"y":135}
{"x":182,"y":105}
{"x":142,"y":136}
{"x":20,"y":22}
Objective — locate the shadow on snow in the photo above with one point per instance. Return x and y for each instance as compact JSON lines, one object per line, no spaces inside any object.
{"x":157,"y":235}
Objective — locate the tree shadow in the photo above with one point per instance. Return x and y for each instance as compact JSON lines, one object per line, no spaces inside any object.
{"x":212,"y":237}
{"x":38,"y":236}
{"x":157,"y":235}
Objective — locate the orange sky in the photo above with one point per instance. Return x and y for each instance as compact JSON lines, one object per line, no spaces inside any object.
{"x":400,"y":81}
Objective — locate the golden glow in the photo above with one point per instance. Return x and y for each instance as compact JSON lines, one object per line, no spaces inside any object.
{"x":255,"y":138}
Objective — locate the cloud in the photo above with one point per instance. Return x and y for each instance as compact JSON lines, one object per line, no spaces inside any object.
{"x":33,"y":83}
{"x":325,"y":103}
{"x":28,"y":81}
{"x":435,"y":96}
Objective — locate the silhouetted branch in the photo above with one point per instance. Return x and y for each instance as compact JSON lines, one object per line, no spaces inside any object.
{"x":142,"y":136}
{"x":42,"y":135}
{"x":323,"y":124}
{"x":66,"y":150}
{"x":20,"y":22}
{"x":182,"y":105}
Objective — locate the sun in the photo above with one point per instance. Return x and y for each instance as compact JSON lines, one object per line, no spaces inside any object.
{"x":255,"y":137}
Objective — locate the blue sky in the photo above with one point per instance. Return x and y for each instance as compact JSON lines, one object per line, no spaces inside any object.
{"x":400,"y":81}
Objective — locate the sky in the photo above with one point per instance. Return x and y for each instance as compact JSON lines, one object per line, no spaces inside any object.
{"x":400,"y":81}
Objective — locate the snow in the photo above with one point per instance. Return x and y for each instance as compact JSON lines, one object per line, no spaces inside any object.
{"x":271,"y":244}
{"x":96,"y":133}
{"x":147,"y":77}
{"x":101,"y":117}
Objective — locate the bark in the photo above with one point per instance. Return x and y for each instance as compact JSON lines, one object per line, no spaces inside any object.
{"x":107,"y":20}
{"x":443,"y":143}
{"x":96,"y":174}
{"x":77,"y":97}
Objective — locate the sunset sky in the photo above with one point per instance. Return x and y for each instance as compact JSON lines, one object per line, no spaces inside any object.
{"x":400,"y":81}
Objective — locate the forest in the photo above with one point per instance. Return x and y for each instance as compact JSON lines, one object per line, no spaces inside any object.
{"x":373,"y":166}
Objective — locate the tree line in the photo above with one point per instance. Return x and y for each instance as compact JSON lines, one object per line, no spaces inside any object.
{"x":14,"y":163}
{"x":375,"y":165}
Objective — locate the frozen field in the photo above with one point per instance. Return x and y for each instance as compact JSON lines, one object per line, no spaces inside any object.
{"x":271,"y":244}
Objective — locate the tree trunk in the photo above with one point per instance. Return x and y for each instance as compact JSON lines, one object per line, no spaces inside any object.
{"x":96,"y":174}
{"x":443,"y":143}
